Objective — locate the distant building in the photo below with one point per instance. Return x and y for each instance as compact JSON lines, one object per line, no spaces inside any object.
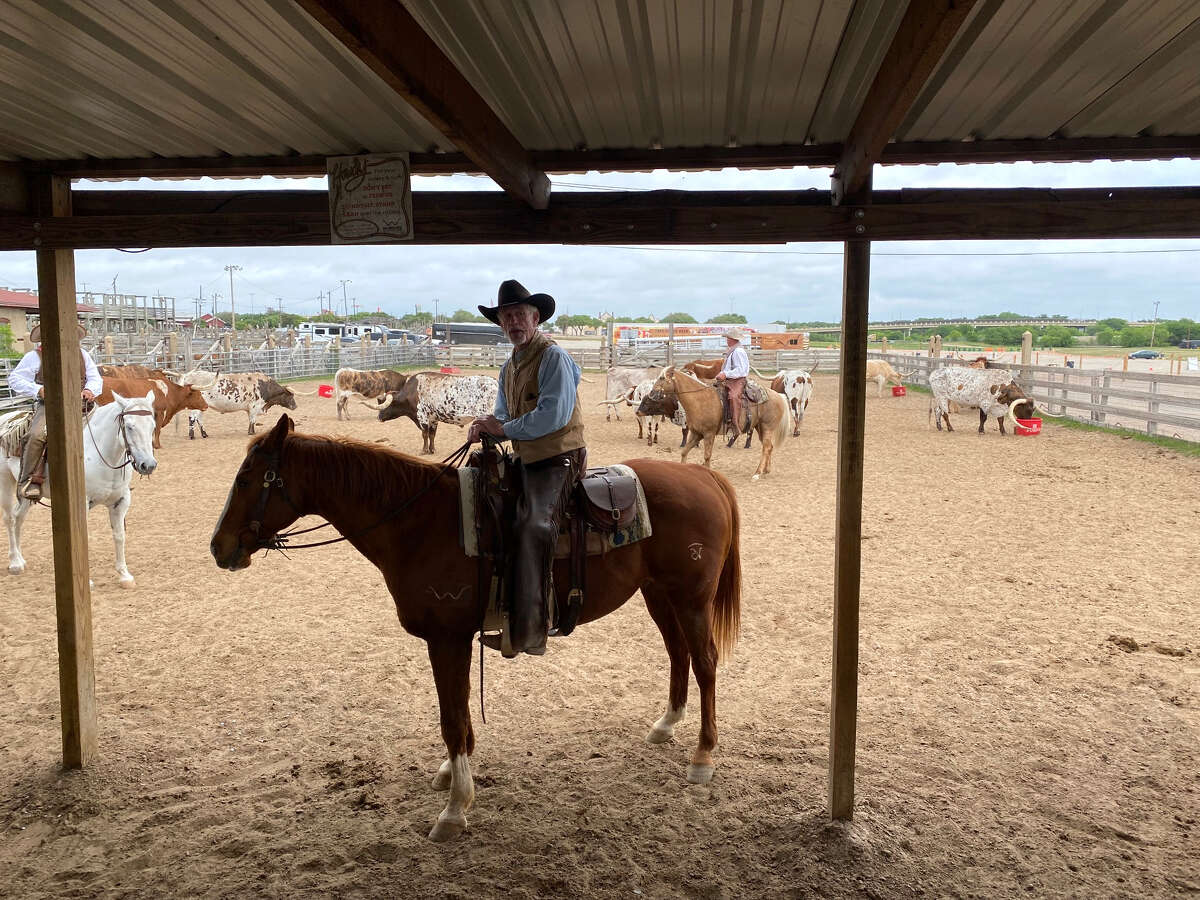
{"x":19,"y":310}
{"x":208,"y":320}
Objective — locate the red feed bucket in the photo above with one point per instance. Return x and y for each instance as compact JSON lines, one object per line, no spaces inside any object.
{"x":325,"y":390}
{"x":1029,"y":426}
{"x":899,"y":390}
{"x":451,"y":370}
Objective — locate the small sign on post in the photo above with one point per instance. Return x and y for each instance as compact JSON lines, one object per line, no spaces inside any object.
{"x":370,"y":199}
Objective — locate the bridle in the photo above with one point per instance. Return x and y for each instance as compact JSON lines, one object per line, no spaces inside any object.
{"x":281,"y":542}
{"x":128,"y":461}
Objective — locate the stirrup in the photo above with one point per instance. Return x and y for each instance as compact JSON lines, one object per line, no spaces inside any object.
{"x":570,"y":616}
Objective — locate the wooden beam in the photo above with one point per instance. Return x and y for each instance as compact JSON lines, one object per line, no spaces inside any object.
{"x":14,"y":189}
{"x":852,"y":414}
{"x":925,"y":32}
{"x":385,"y":36}
{"x":129,"y":219}
{"x":640,"y":160}
{"x":61,"y":368}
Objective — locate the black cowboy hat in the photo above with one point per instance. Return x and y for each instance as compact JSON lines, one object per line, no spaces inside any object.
{"x":513,"y":292}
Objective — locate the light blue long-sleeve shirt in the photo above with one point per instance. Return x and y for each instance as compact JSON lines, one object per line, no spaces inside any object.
{"x":558,"y":379}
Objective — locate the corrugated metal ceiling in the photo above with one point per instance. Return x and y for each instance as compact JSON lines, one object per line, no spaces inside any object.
{"x":187,"y":78}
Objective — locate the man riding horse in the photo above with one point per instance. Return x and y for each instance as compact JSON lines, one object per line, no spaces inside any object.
{"x":26,"y":381}
{"x":536,"y":410}
{"x":733,"y":375}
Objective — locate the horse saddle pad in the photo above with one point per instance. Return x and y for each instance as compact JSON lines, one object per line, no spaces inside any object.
{"x":14,"y":430}
{"x":631,"y":527}
{"x":755,"y":393}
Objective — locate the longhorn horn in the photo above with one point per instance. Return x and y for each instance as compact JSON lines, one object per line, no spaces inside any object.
{"x":304,"y":393}
{"x":814,"y":368}
{"x":1045,"y":411}
{"x":384,"y":405}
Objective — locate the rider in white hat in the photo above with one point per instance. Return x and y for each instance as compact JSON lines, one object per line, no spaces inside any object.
{"x":26,"y":381}
{"x":733,"y":374}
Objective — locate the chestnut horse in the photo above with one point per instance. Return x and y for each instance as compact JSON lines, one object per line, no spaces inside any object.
{"x":705,"y":416}
{"x":402,"y":514}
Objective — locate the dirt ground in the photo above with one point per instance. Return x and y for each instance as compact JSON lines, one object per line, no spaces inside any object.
{"x":1029,"y":694}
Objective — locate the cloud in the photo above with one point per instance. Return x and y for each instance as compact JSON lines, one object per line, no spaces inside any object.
{"x":791,"y":282}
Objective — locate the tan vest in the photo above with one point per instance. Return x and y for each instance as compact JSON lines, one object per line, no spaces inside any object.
{"x":37,"y":379}
{"x":521,"y":395}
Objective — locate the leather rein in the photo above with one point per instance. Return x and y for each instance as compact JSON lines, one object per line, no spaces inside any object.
{"x":281,"y":542}
{"x":124,"y":437}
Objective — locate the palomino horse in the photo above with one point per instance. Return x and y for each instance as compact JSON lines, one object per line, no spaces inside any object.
{"x":402,"y":514}
{"x":705,"y":416}
{"x":118,"y":440}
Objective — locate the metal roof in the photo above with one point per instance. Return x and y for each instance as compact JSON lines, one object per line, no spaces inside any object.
{"x":141,"y":78}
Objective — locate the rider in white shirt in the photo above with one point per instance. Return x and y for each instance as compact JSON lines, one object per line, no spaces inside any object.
{"x":734,"y":374}
{"x":26,"y":381}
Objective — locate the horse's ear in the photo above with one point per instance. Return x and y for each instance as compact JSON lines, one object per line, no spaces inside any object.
{"x":275,"y":439}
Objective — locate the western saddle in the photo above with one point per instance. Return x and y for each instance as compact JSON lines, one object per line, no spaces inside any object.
{"x":601,"y":502}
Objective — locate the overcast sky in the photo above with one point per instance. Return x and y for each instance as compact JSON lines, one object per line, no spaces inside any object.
{"x":1090,"y":279}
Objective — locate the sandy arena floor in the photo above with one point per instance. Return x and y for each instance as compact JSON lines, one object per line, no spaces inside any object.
{"x":1029,"y":695}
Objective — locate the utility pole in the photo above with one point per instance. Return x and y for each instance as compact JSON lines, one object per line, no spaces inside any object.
{"x":345,"y":302}
{"x":232,"y":305}
{"x":435,"y":308}
{"x":252,"y":303}
{"x":1154,"y":324}
{"x":279,"y":309}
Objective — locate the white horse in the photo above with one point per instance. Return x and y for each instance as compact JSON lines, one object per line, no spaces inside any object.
{"x":117,"y":441}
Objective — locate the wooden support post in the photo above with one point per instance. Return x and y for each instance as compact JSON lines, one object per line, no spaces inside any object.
{"x":173,"y":349}
{"x":1151,"y":424}
{"x":109,"y":355}
{"x":1026,"y":356}
{"x":856,"y":279}
{"x":1094,"y":399}
{"x":61,"y":369}
{"x":1104,"y":394}
{"x":1125,"y":364}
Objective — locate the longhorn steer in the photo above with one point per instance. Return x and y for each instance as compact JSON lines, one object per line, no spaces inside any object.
{"x":370,"y":385}
{"x":169,"y":398}
{"x":796,"y":385}
{"x":621,"y":380}
{"x":658,"y":406}
{"x":881,"y":372}
{"x":432,"y":397}
{"x":994,"y":392}
{"x":251,"y":392}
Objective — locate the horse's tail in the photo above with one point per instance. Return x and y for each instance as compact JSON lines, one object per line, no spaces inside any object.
{"x":783,"y":428}
{"x":727,"y":608}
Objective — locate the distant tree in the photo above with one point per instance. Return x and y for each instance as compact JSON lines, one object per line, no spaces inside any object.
{"x":1112,"y":324}
{"x":728,"y":319}
{"x":1134,"y":336}
{"x":1056,"y":336}
{"x":679,"y":318}
{"x":416,"y":320}
{"x":1106,"y":337}
{"x":465,"y":315}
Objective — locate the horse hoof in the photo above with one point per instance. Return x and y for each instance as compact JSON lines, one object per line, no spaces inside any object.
{"x":16,"y":570}
{"x":754,"y":478}
{"x":128,"y":583}
{"x":448,"y":828}
{"x":699,"y":774}
{"x":660,"y":735}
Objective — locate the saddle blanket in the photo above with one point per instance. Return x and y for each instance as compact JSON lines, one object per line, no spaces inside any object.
{"x":597,"y":543}
{"x":14,"y":428}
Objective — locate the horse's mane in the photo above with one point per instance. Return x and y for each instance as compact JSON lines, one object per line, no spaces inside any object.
{"x":355,"y":468}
